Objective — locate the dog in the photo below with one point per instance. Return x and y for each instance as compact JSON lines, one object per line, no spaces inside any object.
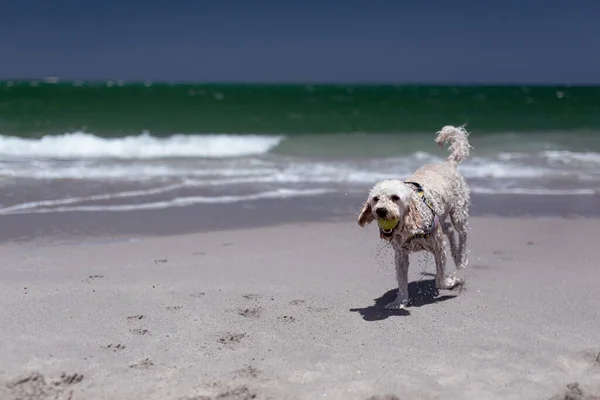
{"x":414,"y":214}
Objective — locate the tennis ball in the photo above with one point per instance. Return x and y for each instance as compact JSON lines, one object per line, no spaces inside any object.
{"x":387,"y":224}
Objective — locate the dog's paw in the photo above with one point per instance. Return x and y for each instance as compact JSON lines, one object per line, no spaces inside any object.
{"x":397,"y":305}
{"x":450,"y":283}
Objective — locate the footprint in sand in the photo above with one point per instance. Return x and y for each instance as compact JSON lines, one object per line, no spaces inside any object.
{"x":144,"y":364}
{"x":287,"y":319}
{"x":114,"y":347}
{"x":69,"y":379}
{"x":90,"y":278}
{"x":250,"y":312}
{"x":139,"y":332}
{"x":241,"y":393}
{"x":30,"y":386}
{"x":574,"y":391}
{"x":231,"y":339}
{"x":480,"y":266}
{"x":247,"y":372}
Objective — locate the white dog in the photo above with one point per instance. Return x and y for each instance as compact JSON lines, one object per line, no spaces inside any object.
{"x":414,"y":212}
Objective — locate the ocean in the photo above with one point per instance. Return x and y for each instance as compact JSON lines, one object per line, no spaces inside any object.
{"x":117,"y":146}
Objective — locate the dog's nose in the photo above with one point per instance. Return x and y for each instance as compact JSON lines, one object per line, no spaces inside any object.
{"x":381,"y":212}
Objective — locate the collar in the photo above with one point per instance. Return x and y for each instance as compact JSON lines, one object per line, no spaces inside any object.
{"x":428,"y":230}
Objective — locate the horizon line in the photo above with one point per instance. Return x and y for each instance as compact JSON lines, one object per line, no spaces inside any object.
{"x":122,"y":82}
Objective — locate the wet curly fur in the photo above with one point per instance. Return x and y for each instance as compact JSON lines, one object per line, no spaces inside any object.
{"x":448,"y":193}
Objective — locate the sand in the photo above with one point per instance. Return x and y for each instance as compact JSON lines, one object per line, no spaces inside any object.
{"x":295,"y":312}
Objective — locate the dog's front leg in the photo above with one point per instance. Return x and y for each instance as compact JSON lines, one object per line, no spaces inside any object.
{"x":401,"y":301}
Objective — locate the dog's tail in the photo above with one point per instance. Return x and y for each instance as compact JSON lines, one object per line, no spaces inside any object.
{"x":459,"y":142}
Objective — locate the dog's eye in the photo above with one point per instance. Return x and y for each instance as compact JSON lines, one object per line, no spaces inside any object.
{"x":395,"y":198}
{"x":375,"y":199}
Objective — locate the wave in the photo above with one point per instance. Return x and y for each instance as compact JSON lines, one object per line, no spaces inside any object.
{"x":297,"y":172}
{"x":479,"y":167}
{"x":535,"y":192}
{"x":208,"y":171}
{"x":561,"y":156}
{"x":569,"y":157}
{"x":132,"y":172}
{"x":230,"y":171}
{"x":53,"y":206}
{"x":80,"y":145}
{"x":32,"y":205}
{"x":73,"y":204}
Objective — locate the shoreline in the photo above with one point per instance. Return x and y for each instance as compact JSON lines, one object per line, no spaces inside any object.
{"x":263,"y":213}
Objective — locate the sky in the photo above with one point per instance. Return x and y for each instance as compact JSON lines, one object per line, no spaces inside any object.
{"x":370,"y":41}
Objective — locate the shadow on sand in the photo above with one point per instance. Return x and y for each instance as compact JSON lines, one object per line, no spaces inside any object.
{"x":421,"y":293}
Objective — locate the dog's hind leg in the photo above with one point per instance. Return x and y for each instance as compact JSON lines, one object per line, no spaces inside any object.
{"x":459,"y":220}
{"x":442,"y":280}
{"x":448,"y":230}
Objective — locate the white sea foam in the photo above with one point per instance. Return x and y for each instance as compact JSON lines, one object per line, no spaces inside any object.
{"x":554,"y":156}
{"x":291,"y":171}
{"x":183,"y":170}
{"x":80,"y":145}
{"x":55,"y":206}
{"x":479,"y":167}
{"x":567,"y":157}
{"x":78,"y":204}
{"x":122,"y":172}
{"x":535,"y":191}
{"x":33,"y":205}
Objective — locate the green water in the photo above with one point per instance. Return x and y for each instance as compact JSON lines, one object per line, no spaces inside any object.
{"x":33,"y":109}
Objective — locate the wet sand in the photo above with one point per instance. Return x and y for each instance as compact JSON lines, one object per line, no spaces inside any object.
{"x":295,"y":311}
{"x":242,"y":215}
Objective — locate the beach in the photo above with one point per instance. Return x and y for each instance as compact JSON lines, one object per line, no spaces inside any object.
{"x":294,"y":310}
{"x":181,"y":241}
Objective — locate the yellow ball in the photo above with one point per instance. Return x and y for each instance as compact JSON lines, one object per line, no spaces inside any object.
{"x":387,"y":224}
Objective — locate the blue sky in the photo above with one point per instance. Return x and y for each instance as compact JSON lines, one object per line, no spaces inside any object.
{"x":461,"y":41}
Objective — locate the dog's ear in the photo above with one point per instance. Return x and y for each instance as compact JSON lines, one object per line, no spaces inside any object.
{"x":366,"y":214}
{"x":412,"y":220}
